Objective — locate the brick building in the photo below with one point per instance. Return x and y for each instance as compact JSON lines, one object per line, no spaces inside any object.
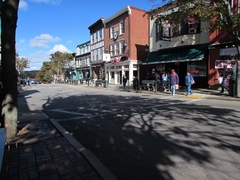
{"x":125,"y":36}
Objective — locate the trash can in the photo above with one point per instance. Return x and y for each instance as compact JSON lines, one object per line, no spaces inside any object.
{"x":105,"y":83}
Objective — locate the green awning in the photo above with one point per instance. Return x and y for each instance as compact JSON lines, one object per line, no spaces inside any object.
{"x":178,"y":55}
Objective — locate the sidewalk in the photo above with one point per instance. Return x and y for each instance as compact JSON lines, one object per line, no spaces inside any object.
{"x":43,"y":149}
{"x":198,"y":93}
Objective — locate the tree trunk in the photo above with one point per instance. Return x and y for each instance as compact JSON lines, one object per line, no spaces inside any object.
{"x":238,"y":73}
{"x":9,"y":101}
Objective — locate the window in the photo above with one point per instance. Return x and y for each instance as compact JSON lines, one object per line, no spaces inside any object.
{"x":193,"y":26}
{"x":167,"y":29}
{"x":158,"y":30}
{"x":122,"y":27}
{"x":116,"y":48}
{"x":100,"y":35}
{"x":111,"y":50}
{"x":92,"y":38}
{"x":111,"y":32}
{"x":101,"y":53}
{"x":121,"y":47}
{"x":96,"y":35}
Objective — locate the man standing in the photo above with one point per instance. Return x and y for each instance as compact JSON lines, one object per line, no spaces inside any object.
{"x":225,"y":79}
{"x":174,"y":80}
{"x":124,"y":81}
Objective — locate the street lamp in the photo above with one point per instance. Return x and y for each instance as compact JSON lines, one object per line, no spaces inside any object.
{"x":147,"y":51}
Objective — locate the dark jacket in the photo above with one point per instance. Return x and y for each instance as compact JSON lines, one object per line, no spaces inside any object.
{"x":174,"y":79}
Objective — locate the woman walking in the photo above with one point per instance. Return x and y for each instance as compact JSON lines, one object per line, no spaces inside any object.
{"x":188,"y":82}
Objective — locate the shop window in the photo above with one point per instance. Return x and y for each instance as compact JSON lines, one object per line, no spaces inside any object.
{"x":112,"y":75}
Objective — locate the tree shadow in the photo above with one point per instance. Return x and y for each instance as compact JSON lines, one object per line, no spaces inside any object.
{"x":147,"y":138}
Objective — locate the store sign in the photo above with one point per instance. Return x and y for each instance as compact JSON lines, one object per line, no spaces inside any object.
{"x":228,"y":63}
{"x":197,"y":69}
{"x":228,"y":51}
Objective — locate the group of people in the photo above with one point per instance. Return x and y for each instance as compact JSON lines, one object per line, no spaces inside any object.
{"x":173,"y":81}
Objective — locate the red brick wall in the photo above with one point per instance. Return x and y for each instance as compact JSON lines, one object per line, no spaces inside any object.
{"x":136,"y":33}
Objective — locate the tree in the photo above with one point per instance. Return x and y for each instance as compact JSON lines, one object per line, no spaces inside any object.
{"x":46,"y":72}
{"x":21,"y":63}
{"x":221,"y":14}
{"x":9,"y":101}
{"x":60,"y":61}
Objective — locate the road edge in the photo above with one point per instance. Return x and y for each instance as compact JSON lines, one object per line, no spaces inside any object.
{"x":95,"y":162}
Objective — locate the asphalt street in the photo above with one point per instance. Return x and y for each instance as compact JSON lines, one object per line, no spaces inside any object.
{"x":142,"y":136}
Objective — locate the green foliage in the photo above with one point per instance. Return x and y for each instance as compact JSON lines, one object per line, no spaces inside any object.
{"x":58,"y":63}
{"x":21,"y":63}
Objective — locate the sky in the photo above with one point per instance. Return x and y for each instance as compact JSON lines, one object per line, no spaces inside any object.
{"x":47,"y":26}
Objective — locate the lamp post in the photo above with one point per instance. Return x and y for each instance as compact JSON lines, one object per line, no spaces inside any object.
{"x":147,"y":51}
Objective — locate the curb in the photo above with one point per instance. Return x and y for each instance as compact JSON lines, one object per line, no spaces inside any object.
{"x":94,"y":161}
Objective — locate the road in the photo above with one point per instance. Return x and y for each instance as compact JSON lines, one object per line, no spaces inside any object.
{"x":147,"y":137}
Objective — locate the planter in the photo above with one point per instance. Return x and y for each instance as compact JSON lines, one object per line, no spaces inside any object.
{"x":2,"y":145}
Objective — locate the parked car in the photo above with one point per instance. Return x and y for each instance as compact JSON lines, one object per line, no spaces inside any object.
{"x":37,"y":82}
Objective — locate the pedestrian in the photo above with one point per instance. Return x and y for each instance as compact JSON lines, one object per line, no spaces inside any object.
{"x":124,"y":81}
{"x":164,"y":81}
{"x":188,"y":82}
{"x":224,"y":80}
{"x":174,"y":80}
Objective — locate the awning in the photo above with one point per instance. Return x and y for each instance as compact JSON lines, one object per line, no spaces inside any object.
{"x":177,"y":55}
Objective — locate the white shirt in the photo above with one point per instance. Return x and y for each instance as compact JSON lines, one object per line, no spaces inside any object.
{"x":164,"y":77}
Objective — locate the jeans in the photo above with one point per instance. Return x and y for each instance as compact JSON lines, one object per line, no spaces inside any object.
{"x":164,"y":84}
{"x":173,"y":89}
{"x":224,"y":85}
{"x":189,"y":90}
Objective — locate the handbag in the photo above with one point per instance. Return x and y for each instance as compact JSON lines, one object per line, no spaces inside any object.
{"x":176,"y":86}
{"x":193,"y":82}
{"x":220,"y":79}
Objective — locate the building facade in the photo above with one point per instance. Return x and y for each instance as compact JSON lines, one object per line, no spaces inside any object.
{"x":222,"y":51}
{"x":126,"y":33}
{"x":183,"y":49}
{"x":98,"y":57}
{"x":82,"y":63}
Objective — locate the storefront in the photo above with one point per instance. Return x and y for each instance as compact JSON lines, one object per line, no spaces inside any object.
{"x":222,"y":56}
{"x":119,"y":66}
{"x":188,"y":58}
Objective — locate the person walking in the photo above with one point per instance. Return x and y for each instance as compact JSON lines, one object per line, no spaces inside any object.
{"x":174,"y":80}
{"x":124,"y":81}
{"x":164,"y":81}
{"x":188,"y":82}
{"x":225,"y":79}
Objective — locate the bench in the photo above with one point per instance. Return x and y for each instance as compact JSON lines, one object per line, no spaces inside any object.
{"x":150,"y":85}
{"x":103,"y":83}
{"x":147,"y":85}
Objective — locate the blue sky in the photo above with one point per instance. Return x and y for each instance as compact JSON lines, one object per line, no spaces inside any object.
{"x":47,"y":26}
